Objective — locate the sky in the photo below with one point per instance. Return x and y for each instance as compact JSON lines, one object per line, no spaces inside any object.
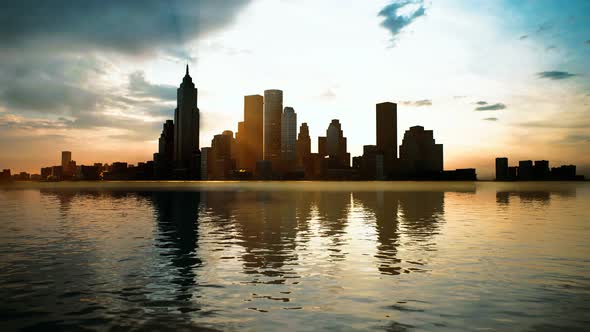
{"x":490,"y":78}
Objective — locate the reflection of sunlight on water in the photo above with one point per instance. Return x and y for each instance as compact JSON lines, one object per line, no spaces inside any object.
{"x":296,"y":256}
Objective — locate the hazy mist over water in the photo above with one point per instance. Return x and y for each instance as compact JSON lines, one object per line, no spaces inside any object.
{"x":295,"y":256}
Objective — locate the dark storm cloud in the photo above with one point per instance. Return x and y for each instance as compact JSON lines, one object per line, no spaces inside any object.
{"x":395,"y":21}
{"x":417,"y":103}
{"x":555,"y":75}
{"x":139,"y":86}
{"x":491,"y":107}
{"x":55,"y":57}
{"x":123,"y":26}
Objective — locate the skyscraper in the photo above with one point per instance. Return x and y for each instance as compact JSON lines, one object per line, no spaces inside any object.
{"x":303,"y":149}
{"x":419,"y":153}
{"x":273,"y":108}
{"x":386,"y":120}
{"x":289,"y":136}
{"x":164,"y":159}
{"x":66,"y":159}
{"x":502,"y":169}
{"x":186,"y":128}
{"x":335,"y":146}
{"x":251,"y":141}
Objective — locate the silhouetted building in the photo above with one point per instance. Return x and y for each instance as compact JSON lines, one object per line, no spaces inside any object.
{"x":66,"y":157}
{"x":164,"y":159}
{"x":273,"y":108}
{"x":56,"y":173}
{"x":386,"y":121}
{"x":205,"y":155}
{"x":564,"y":173}
{"x":251,"y":140}
{"x":303,"y":145}
{"x":501,"y":169}
{"x":525,"y":170}
{"x":512,"y":172}
{"x":219,"y":160}
{"x":289,"y":138}
{"x":45,"y":173}
{"x":186,"y":130}
{"x":420,"y":156}
{"x":372,"y":163}
{"x":5,"y":175}
{"x":460,"y":174}
{"x":264,"y":170}
{"x":541,"y":170}
{"x":333,"y":145}
{"x":90,"y":173}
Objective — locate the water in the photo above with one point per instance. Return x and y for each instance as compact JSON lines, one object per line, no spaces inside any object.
{"x":295,"y":256}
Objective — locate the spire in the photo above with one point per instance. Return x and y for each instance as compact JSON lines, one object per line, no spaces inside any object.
{"x":187,"y":69}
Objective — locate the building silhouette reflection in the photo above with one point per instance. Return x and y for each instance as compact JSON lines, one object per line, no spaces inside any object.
{"x":543,"y":197}
{"x":177,"y":216}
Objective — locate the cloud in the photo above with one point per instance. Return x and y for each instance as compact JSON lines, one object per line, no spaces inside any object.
{"x":587,"y":42}
{"x":491,"y":119}
{"x":327,"y":94}
{"x":481,"y":102}
{"x":523,"y":37}
{"x":491,"y":107}
{"x":555,"y":75}
{"x":400,"y":14}
{"x":131,"y":27}
{"x":577,"y":138}
{"x":139,"y":86}
{"x":550,"y":47}
{"x":417,"y":103}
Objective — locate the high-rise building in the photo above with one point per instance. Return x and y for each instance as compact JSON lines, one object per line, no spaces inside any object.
{"x":66,"y":157}
{"x":419,"y":153}
{"x":186,"y":129}
{"x":502,"y":169}
{"x":386,"y":121}
{"x":303,"y":144}
{"x":289,"y":136}
{"x":251,"y":141}
{"x":273,"y":109}
{"x":333,"y":145}
{"x":525,"y":170}
{"x":220,"y":163}
{"x":164,"y":159}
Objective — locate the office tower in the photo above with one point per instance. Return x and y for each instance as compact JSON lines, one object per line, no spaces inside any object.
{"x":273,"y":108}
{"x":186,"y":128}
{"x":220,"y":161}
{"x":371,"y":164}
{"x":303,"y":144}
{"x":386,"y":121}
{"x":233,"y":145}
{"x":501,"y":169}
{"x":164,"y":159}
{"x":66,"y":157}
{"x":334,"y":146}
{"x":240,"y":152}
{"x":289,"y":136}
{"x":205,"y":153}
{"x":252,"y":143}
{"x":419,"y":153}
{"x":322,"y":148}
{"x":541,"y":170}
{"x":525,"y":170}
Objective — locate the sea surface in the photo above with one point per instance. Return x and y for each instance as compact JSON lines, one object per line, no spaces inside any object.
{"x":295,"y":256}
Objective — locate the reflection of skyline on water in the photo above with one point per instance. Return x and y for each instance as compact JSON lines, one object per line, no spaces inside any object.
{"x":219,"y":258}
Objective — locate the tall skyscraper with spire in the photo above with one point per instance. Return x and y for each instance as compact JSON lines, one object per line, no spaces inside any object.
{"x":186,"y":129}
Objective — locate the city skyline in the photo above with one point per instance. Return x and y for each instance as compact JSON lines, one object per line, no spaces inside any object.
{"x":478,"y":99}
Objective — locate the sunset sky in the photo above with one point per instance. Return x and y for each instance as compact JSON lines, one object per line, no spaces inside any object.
{"x":491,"y":78}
